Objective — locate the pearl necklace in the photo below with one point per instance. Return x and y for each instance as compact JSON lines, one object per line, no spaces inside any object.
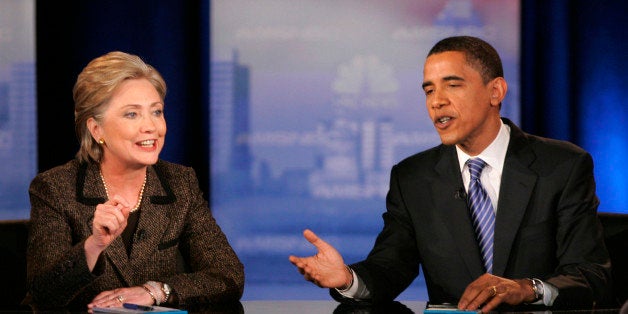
{"x":139,"y":199}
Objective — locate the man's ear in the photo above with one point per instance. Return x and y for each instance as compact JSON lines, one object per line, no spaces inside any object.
{"x":498,"y":87}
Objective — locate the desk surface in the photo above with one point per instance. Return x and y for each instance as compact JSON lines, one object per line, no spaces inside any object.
{"x":321,"y":307}
{"x":316,"y":307}
{"x":333,"y":307}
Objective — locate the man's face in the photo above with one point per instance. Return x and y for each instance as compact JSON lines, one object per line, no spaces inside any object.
{"x":462,"y":108}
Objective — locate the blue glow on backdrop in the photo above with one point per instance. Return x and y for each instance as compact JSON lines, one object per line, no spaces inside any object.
{"x":601,"y":95}
{"x":606,"y":131}
{"x":311,"y":103}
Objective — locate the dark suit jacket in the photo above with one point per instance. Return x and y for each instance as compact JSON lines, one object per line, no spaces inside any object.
{"x":546,"y":225}
{"x":177,"y":240}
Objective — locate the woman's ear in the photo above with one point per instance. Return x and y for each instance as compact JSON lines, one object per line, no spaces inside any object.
{"x":94,"y":128}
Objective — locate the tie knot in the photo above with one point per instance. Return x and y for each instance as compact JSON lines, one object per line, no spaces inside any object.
{"x":475,"y":167}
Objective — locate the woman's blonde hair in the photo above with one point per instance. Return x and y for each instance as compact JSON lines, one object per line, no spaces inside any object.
{"x":94,"y":87}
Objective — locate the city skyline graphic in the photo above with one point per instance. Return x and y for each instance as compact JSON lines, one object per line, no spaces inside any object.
{"x":308,"y":113}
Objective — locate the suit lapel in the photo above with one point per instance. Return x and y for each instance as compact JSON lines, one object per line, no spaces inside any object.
{"x":453,"y":205}
{"x":517,"y":184}
{"x":152,"y":224}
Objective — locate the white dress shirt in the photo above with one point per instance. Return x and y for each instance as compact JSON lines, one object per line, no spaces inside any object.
{"x":494,"y":156}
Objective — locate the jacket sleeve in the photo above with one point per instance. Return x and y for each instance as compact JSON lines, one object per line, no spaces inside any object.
{"x":394,"y":261}
{"x":583,"y":274}
{"x":215,"y":271}
{"x":56,"y":266}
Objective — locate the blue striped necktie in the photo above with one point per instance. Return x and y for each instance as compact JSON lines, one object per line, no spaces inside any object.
{"x":482,"y":212}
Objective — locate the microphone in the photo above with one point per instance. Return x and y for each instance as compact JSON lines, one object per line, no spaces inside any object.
{"x":460,"y":194}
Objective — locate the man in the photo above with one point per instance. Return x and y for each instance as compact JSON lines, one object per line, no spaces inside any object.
{"x":539,"y":243}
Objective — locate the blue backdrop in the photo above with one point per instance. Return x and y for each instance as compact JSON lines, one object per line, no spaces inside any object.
{"x":18,"y":148}
{"x":310,"y":109}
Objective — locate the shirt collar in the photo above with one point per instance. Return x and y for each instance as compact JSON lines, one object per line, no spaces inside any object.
{"x":495,"y":154}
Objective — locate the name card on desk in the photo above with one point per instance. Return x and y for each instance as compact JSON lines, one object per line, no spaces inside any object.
{"x":446,"y":309}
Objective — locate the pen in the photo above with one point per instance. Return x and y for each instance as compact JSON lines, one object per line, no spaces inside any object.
{"x":137,"y":307}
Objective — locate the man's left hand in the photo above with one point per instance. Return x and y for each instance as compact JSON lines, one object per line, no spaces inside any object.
{"x":489,"y":291}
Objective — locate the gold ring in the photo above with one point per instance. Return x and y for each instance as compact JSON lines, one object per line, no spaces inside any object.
{"x":120,"y":298}
{"x":493,"y":291}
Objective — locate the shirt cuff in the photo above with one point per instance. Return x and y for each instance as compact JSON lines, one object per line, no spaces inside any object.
{"x":357,"y":290}
{"x":550,"y":292}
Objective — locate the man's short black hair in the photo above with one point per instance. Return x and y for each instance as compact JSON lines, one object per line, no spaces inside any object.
{"x":479,"y":54}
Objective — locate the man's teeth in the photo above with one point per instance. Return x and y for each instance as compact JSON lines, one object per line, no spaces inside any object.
{"x":147,"y":143}
{"x":444,"y":119}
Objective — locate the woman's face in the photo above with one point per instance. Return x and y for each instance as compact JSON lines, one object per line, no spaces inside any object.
{"x":133,"y":125}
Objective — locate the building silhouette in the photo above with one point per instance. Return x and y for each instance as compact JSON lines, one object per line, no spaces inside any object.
{"x":230,"y":157}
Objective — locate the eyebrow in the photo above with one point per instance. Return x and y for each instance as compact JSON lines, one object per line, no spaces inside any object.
{"x":153,"y":104}
{"x":445,"y":79}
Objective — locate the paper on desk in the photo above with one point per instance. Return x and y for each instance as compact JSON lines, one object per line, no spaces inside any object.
{"x":156,"y":309}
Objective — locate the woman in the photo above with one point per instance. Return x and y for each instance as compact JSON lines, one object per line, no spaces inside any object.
{"x":117,"y":224}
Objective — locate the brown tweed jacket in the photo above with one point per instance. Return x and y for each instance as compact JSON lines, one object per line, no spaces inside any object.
{"x":177,"y":240}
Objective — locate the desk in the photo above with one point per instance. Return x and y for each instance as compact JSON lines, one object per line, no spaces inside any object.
{"x":272,"y":307}
{"x":323,"y":307}
{"x":333,"y":307}
{"x":315,"y":307}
